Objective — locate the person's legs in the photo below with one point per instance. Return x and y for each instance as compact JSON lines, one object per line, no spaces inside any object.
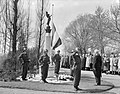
{"x":24,"y":72}
{"x":44,"y":72}
{"x":98,"y":80}
{"x":77,"y":76}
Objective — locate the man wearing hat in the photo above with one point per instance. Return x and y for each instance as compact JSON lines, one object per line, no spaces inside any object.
{"x":44,"y":63}
{"x":71,"y":62}
{"x":97,"y":67}
{"x":23,"y":57}
{"x":57,"y":59}
{"x":77,"y":68}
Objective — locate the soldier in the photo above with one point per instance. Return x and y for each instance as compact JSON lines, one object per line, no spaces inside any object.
{"x":44,"y":63}
{"x":97,"y":67}
{"x":57,"y":59}
{"x":77,"y":69}
{"x":23,"y":57}
{"x":71,"y":63}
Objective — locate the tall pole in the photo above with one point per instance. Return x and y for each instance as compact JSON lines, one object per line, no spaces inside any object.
{"x":42,"y":2}
{"x":52,"y":31}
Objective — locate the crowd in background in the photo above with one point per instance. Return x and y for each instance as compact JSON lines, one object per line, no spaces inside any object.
{"x":110,"y":63}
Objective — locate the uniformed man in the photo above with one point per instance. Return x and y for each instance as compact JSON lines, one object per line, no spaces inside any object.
{"x":23,"y":57}
{"x":71,"y":63}
{"x":44,"y":63}
{"x":57,"y":59}
{"x":77,"y":69}
{"x":97,"y":67}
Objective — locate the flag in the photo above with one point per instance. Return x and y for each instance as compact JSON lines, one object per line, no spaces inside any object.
{"x":56,"y":41}
{"x":53,"y":32}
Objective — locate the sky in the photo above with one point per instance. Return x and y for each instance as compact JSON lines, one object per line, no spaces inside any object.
{"x":65,"y":11}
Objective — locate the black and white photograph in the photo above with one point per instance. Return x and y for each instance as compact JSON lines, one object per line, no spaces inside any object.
{"x":59,"y":46}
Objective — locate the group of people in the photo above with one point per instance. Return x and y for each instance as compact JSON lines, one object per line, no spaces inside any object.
{"x":111,"y":64}
{"x":44,"y":62}
{"x":75,"y":62}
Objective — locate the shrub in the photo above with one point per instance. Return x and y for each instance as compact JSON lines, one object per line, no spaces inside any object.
{"x":11,"y":66}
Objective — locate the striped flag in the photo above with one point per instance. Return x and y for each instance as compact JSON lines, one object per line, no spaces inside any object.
{"x":53,"y":32}
{"x":56,"y":41}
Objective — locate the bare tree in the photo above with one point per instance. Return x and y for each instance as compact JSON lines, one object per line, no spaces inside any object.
{"x":41,"y":9}
{"x":78,"y":32}
{"x":99,"y":25}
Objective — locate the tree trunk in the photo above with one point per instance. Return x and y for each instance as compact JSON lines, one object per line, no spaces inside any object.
{"x":14,"y":42}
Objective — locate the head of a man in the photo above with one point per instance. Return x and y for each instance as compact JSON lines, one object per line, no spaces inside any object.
{"x":96,"y":52}
{"x":58,"y":52}
{"x":76,"y":49}
{"x":45,"y":51}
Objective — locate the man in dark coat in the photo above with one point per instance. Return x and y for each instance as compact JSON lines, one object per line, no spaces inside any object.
{"x":77,"y":68}
{"x":83,"y":61}
{"x":97,"y":67}
{"x":57,"y":59}
{"x":23,"y":57}
{"x":71,"y":62}
{"x":44,"y":63}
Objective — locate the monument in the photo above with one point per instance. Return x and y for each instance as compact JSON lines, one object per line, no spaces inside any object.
{"x":47,"y":44}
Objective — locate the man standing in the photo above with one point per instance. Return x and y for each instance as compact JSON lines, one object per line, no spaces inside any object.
{"x":57,"y":59}
{"x":44,"y":63}
{"x":71,"y":63}
{"x":97,"y":67}
{"x":77,"y":68}
{"x":23,"y":57}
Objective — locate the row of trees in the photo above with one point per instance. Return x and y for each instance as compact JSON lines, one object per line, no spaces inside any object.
{"x":16,"y":23}
{"x":97,"y":31}
{"x":18,"y":28}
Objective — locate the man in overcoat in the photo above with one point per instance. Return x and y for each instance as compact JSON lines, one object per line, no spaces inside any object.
{"x":23,"y":57}
{"x":77,"y":69}
{"x":71,"y":63}
{"x":44,"y":63}
{"x":97,"y":67}
{"x":57,"y":60}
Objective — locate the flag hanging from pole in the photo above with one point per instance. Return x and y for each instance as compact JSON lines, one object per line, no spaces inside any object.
{"x":53,"y":32}
{"x":58,"y":43}
{"x":56,"y":40}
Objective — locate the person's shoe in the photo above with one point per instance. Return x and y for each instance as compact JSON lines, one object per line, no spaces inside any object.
{"x":24,"y":79}
{"x":71,"y":79}
{"x":45,"y":81}
{"x":77,"y":88}
{"x":97,"y":84}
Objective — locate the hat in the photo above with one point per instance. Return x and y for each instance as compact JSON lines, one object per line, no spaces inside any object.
{"x":72,"y":51}
{"x":76,"y":49}
{"x":58,"y":51}
{"x":96,"y":51}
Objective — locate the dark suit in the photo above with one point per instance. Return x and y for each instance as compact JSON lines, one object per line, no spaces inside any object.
{"x":71,"y":64}
{"x":77,"y":69}
{"x":44,"y":62}
{"x":25,"y":63}
{"x":97,"y":65}
{"x":57,"y":59}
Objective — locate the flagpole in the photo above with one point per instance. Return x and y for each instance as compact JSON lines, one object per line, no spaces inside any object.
{"x":52,"y":19}
{"x":51,"y":52}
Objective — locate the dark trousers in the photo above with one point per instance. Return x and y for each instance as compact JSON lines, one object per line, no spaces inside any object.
{"x":77,"y":76}
{"x":71,"y":72}
{"x":98,"y":80}
{"x":57,"y":67}
{"x":44,"y":71}
{"x":24,"y":71}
